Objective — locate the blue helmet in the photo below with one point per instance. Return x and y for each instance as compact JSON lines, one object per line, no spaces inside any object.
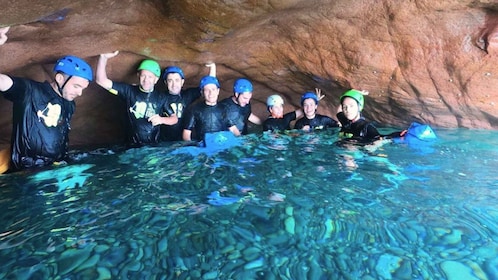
{"x":74,"y":66}
{"x":206,"y":80}
{"x":308,"y":95}
{"x":173,"y":69}
{"x":242,"y":85}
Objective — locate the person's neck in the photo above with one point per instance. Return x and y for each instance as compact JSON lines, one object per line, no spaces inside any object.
{"x":210,"y":103}
{"x":56,"y":88}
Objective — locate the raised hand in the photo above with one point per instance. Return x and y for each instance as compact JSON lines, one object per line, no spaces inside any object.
{"x":109,"y":55}
{"x":3,"y":34}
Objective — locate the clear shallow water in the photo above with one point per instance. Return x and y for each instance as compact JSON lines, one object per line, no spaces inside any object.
{"x":298,"y":207}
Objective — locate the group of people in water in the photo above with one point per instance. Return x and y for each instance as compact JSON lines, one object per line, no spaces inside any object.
{"x":42,"y":111}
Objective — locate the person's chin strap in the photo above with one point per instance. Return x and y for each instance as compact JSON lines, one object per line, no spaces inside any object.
{"x":63,"y":85}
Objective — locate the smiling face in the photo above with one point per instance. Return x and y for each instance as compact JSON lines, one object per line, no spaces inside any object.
{"x":309,"y":108}
{"x":277,"y":111}
{"x":147,"y":80}
{"x":211,"y":92}
{"x":174,"y":82}
{"x":73,"y":88}
{"x":350,"y":108}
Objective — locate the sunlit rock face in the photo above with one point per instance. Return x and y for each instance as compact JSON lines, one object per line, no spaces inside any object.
{"x":428,"y":61}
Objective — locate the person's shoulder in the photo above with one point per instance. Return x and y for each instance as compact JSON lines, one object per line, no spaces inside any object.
{"x":194,"y":91}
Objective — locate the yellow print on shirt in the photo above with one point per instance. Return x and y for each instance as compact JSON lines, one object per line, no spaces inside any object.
{"x":143,"y":110}
{"x":50,"y":115}
{"x":178,"y":109}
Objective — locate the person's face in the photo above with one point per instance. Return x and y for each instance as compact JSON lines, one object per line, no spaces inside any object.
{"x":73,"y":88}
{"x":277,"y":110}
{"x":309,"y":108}
{"x":350,"y":108}
{"x":211,"y":93}
{"x":244,"y":98}
{"x":174,"y":82}
{"x":147,"y":80}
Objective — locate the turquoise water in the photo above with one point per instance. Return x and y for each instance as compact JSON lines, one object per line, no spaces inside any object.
{"x":289,"y":206}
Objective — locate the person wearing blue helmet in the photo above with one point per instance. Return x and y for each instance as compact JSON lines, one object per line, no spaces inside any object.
{"x":205,"y":117}
{"x":42,"y":111}
{"x":238,"y":107}
{"x":311,"y":120}
{"x":146,"y":107}
{"x":179,"y":99}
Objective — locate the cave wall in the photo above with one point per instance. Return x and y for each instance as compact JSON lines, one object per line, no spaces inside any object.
{"x":421,"y":61}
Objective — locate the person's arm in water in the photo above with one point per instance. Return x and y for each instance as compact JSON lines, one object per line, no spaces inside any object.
{"x":255,"y":119}
{"x":101,"y":74}
{"x":5,"y":81}
{"x":187,"y":135}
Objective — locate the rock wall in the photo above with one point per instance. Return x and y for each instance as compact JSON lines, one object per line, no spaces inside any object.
{"x":420,"y":60}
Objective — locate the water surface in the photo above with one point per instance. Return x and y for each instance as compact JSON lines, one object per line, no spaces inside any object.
{"x":287,"y":206}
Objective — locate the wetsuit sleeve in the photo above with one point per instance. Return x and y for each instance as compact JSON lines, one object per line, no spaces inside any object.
{"x":330,"y":122}
{"x":122,"y":90}
{"x":342,"y":118}
{"x":300,"y":123}
{"x":371,"y":132}
{"x":17,"y":91}
{"x":188,"y":121}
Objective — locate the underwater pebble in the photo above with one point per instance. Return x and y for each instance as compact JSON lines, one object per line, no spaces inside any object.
{"x":104,"y":273}
{"x":290,"y":225}
{"x":458,"y":271}
{"x":210,"y":275}
{"x":254,"y":264}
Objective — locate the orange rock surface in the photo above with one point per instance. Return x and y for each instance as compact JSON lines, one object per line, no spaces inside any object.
{"x":422,"y":61}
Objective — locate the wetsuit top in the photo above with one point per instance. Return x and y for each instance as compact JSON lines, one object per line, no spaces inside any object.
{"x":318,"y":122}
{"x":178,"y":103}
{"x":40,"y":123}
{"x":141,"y":106}
{"x":202,"y":118}
{"x":279,"y":124}
{"x":360,"y":130}
{"x":236,"y":115}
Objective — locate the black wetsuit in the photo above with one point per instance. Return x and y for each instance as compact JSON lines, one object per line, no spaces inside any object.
{"x":178,"y":103}
{"x":202,"y":118}
{"x":279,"y":124}
{"x":40,"y":123}
{"x":362,"y":130}
{"x":140,"y":106}
{"x":317,"y":123}
{"x":236,"y":115}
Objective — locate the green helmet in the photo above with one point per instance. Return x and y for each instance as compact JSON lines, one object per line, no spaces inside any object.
{"x":150,"y":65}
{"x":356,"y":95}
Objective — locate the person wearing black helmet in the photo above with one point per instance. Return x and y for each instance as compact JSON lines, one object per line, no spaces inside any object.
{"x":311,"y":120}
{"x":146,"y":107}
{"x":42,"y":111}
{"x":238,"y":107}
{"x":179,"y":99}
{"x":205,"y":117}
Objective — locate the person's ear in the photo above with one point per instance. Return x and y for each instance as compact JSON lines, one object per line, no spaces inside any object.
{"x":59,"y":78}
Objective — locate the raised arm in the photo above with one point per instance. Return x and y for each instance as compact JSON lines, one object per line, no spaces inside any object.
{"x":5,"y":81}
{"x":101,"y":74}
{"x":212,"y":69}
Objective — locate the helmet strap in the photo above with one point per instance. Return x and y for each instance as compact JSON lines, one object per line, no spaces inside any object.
{"x":59,"y":87}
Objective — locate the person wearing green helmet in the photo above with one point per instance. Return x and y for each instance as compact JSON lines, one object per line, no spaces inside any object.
{"x":179,"y":99}
{"x":147,"y":108}
{"x":42,"y":111}
{"x":311,"y":120}
{"x":354,"y":127}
